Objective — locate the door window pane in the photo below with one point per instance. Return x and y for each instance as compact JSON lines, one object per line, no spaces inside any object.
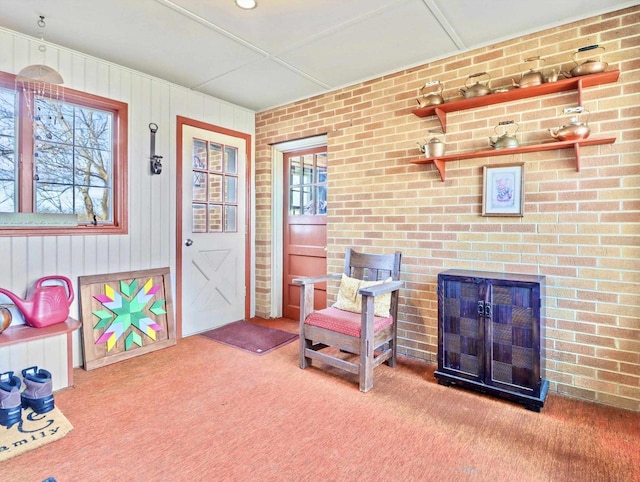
{"x":231,"y":154}
{"x":215,"y":219}
{"x":199,"y":214}
{"x":230,"y":216}
{"x":294,"y":171}
{"x":307,"y":164}
{"x":231,"y":190}
{"x":215,"y":157}
{"x":199,"y":154}
{"x":321,"y":167}
{"x":215,"y":188}
{"x":321,"y":200}
{"x":199,"y":187}
{"x":308,"y":184}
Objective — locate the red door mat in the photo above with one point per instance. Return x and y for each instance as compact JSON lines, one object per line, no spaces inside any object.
{"x":251,"y":337}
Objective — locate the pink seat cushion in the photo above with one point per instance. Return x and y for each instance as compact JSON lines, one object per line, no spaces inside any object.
{"x":344,"y":322}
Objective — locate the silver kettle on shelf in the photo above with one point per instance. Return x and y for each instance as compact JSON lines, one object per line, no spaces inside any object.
{"x":434,"y":148}
{"x":508,"y":137}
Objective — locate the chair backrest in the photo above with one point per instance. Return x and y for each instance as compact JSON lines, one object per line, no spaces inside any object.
{"x":372,"y":267}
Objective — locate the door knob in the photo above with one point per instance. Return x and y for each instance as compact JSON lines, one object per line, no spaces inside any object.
{"x":188,"y":242}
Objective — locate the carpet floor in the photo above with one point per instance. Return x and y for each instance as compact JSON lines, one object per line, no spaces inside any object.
{"x":202,"y":411}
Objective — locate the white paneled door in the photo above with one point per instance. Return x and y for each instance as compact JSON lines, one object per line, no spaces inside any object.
{"x":213,"y":229}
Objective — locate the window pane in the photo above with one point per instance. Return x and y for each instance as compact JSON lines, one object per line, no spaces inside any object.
{"x":7,"y":113}
{"x":215,"y":188}
{"x":307,"y":200}
{"x":199,"y":187}
{"x":54,"y":121}
{"x":8,"y":164}
{"x":215,"y":157}
{"x":307,"y":160}
{"x":230,"y":217}
{"x":92,"y":201}
{"x":199,"y":222}
{"x":7,"y":159}
{"x":199,"y":154}
{"x":53,"y":163}
{"x":321,"y":200}
{"x":231,"y":154}
{"x":93,"y":128}
{"x":54,"y":198}
{"x":321,"y":167}
{"x":92,"y":167}
{"x":231,"y":189}
{"x":215,"y":219}
{"x":7,"y":197}
{"x":300,"y":201}
{"x":294,"y":171}
{"x":295,"y":207}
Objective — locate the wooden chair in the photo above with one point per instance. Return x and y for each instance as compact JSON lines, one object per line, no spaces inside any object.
{"x":333,"y":335}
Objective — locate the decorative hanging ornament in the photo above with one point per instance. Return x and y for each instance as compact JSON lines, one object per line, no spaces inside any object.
{"x":39,"y":80}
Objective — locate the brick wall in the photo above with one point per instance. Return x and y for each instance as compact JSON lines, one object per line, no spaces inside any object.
{"x":580,"y":229}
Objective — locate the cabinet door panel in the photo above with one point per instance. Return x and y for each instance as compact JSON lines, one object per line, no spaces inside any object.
{"x":461,"y":328}
{"x":512,"y":340}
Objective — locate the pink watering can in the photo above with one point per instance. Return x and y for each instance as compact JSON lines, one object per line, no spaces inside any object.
{"x":45,"y":304}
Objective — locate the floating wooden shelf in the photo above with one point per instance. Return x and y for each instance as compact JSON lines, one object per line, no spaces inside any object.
{"x":24,"y":333}
{"x":440,"y":162}
{"x":564,"y":85}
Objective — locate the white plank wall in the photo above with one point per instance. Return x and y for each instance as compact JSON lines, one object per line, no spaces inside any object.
{"x":152,"y":199}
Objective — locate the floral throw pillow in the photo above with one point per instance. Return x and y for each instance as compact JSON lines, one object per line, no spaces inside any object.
{"x":349,"y":299}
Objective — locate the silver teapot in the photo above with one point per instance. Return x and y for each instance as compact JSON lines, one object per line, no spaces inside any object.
{"x":508,"y":137}
{"x":434,"y":148}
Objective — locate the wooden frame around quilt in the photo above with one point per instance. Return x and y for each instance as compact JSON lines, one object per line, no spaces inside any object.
{"x":125,"y":315}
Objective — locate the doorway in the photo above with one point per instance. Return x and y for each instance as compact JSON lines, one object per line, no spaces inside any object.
{"x":305,"y":225}
{"x":213,"y":238}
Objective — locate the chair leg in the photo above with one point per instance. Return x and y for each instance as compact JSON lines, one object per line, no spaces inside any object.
{"x":304,"y":343}
{"x":366,"y":367}
{"x":392,"y":359}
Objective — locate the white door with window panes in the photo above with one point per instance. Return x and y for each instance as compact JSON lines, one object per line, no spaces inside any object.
{"x":213,"y":221}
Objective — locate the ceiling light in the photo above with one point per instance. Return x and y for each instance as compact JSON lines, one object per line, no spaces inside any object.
{"x":247,"y":4}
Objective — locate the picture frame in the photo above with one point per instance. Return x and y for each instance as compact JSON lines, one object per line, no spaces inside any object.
{"x":125,"y":315}
{"x":503,"y":190}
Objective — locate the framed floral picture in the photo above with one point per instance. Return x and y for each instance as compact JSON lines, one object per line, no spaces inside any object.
{"x":503,"y":191}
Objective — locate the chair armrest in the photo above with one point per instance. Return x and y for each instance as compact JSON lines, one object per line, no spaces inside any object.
{"x":381,"y":289}
{"x":316,"y":279}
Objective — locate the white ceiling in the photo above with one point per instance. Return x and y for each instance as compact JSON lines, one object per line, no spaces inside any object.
{"x":284,"y":50}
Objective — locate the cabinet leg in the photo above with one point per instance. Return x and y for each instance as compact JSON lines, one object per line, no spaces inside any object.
{"x":445,"y":383}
